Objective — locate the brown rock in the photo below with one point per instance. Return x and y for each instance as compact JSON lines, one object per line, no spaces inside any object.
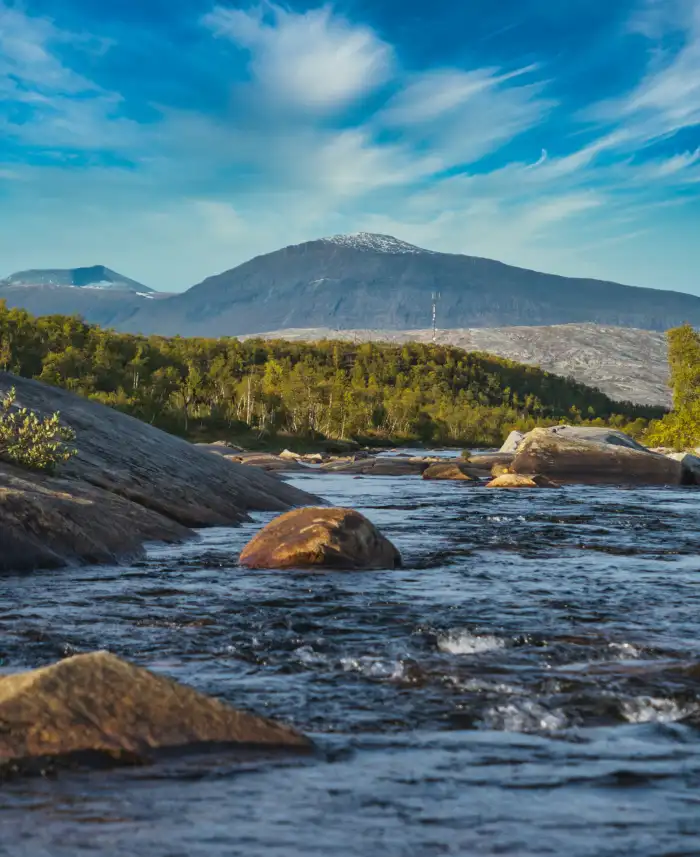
{"x":288,"y":455}
{"x":452,"y":470}
{"x":268,"y":461}
{"x":486,"y":460}
{"x":520,"y":480}
{"x":100,"y":703}
{"x":500,"y":470}
{"x":568,"y":458}
{"x":317,"y":537}
{"x":384,"y":466}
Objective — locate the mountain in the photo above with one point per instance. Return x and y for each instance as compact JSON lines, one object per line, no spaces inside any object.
{"x":94,"y":277}
{"x":97,"y":293}
{"x":625,"y":363}
{"x":380,"y":282}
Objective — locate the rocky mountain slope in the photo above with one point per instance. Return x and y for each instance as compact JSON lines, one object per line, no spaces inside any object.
{"x":365,"y":280}
{"x":626,"y":363}
{"x":97,"y":293}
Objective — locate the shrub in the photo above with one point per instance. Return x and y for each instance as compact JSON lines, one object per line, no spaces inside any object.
{"x":35,"y":442}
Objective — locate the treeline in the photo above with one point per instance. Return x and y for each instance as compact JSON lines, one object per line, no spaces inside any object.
{"x":226,"y":387}
{"x":681,"y":428}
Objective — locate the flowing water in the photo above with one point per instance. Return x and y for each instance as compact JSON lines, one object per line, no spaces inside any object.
{"x":529,"y":684}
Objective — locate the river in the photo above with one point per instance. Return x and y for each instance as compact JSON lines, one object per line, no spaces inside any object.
{"x":529,"y":683}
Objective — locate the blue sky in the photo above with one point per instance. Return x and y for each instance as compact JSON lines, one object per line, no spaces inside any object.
{"x":172,"y":139}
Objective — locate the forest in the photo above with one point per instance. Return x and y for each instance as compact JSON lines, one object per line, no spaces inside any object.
{"x":266,"y":392}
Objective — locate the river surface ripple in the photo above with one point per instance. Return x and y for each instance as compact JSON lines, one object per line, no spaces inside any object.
{"x":529,"y":684}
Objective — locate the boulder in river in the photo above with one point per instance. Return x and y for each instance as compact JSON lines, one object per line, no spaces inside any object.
{"x":98,"y":704}
{"x":456,"y":471}
{"x":379,"y":466}
{"x":288,"y":455}
{"x":320,"y":538}
{"x":511,"y":443}
{"x":689,"y":462}
{"x":594,"y":459}
{"x":521,"y":480}
{"x":486,"y":460}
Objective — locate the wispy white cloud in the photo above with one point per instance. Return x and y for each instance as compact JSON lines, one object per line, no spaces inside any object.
{"x":314,"y":60}
{"x":66,"y":108}
{"x":667,"y":98}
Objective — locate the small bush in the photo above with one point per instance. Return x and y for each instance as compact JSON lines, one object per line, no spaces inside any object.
{"x":38,"y":443}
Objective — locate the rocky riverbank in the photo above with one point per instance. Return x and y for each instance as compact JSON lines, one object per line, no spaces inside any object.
{"x":128,"y":484}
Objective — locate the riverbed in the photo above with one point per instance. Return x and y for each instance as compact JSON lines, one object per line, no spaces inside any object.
{"x":529,"y":683}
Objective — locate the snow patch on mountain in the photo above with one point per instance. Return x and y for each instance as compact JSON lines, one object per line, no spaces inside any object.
{"x":376,"y":242}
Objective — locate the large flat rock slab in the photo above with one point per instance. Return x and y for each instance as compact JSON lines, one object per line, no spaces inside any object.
{"x":48,"y":522}
{"x":564,"y":457}
{"x":154,"y":469}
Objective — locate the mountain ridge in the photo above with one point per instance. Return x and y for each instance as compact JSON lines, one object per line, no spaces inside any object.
{"x":360,"y":281}
{"x":349,"y":281}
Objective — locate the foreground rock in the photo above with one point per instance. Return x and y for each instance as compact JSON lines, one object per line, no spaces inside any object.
{"x":323,"y":538}
{"x":455,"y":471}
{"x":100,"y":704}
{"x":566,"y":456}
{"x":156,"y":485}
{"x":520,"y":480}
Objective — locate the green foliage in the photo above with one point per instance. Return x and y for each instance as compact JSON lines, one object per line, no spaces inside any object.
{"x":38,"y":443}
{"x":681,"y":428}
{"x":225,"y":387}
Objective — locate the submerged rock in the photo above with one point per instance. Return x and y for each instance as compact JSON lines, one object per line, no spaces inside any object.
{"x":98,"y":703}
{"x":318,"y":537}
{"x":520,"y":480}
{"x":568,"y":457}
{"x":451,"y":470}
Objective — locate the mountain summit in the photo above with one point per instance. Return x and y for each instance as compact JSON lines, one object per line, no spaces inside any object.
{"x":375,"y":243}
{"x":369,"y":281}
